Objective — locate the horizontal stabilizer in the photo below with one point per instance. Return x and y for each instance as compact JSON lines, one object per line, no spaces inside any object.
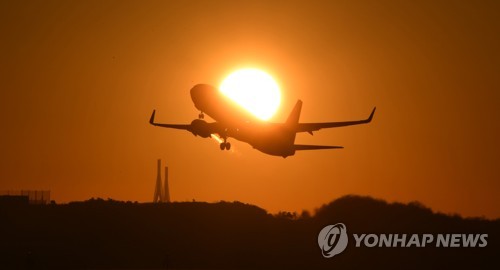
{"x":315,"y":147}
{"x":310,"y":127}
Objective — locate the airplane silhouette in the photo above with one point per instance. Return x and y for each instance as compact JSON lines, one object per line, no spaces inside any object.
{"x":277,"y":139}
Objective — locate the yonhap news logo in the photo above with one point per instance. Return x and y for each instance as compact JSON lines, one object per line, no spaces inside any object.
{"x":333,"y":240}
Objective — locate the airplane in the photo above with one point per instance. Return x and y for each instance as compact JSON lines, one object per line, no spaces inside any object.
{"x":276,"y":139}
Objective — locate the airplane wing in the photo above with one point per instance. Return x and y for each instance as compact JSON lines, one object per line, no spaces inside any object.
{"x":314,"y":147}
{"x":197,"y":127}
{"x":152,"y":122}
{"x":310,"y":127}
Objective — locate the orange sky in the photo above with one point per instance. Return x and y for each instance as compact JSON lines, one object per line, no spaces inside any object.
{"x":79,"y":79}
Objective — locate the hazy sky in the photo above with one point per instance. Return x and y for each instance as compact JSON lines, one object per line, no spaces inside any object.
{"x":79,"y":80}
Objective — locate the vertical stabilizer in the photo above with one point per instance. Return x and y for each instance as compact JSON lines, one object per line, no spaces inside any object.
{"x":292,"y":121}
{"x":293,"y":118}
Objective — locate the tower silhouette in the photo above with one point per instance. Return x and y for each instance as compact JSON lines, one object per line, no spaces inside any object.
{"x":166,"y":193}
{"x":162,"y":192}
{"x":158,"y":197}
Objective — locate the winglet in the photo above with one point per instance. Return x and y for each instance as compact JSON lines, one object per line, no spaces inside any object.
{"x":152,"y":119}
{"x":371,"y":115}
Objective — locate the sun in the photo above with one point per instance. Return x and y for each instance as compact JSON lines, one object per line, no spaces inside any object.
{"x":254,"y":90}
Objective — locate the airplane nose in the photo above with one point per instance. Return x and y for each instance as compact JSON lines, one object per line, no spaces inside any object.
{"x":200,"y":94}
{"x":195,"y":93}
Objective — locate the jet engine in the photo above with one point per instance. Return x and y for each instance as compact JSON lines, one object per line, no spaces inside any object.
{"x":201,"y":128}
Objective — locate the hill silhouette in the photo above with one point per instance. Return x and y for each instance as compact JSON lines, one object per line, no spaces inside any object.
{"x":228,"y":235}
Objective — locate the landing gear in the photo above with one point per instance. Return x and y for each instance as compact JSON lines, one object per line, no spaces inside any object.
{"x":225,"y":145}
{"x":201,"y":115}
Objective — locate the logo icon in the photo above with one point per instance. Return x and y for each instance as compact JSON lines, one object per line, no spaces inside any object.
{"x":332,"y":239}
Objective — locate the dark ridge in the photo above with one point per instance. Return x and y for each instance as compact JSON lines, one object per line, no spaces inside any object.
{"x":228,"y":235}
{"x":387,"y":217}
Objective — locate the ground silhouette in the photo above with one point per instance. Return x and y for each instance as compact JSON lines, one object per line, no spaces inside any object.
{"x":227,"y":235}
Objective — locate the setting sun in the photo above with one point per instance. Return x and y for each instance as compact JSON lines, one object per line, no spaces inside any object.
{"x":254,"y":90}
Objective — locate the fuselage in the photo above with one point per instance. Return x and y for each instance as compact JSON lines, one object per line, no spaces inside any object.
{"x":270,"y":138}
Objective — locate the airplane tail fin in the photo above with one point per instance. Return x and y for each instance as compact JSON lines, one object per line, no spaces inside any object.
{"x":292,"y":122}
{"x":314,"y":147}
{"x":293,"y":118}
